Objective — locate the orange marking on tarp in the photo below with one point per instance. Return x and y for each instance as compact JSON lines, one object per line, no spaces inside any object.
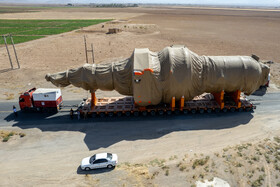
{"x":138,"y":73}
{"x":148,"y":69}
{"x":139,"y":101}
{"x":149,"y":102}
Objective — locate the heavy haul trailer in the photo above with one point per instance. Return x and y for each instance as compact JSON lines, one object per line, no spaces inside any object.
{"x":119,"y":106}
{"x":41,"y":99}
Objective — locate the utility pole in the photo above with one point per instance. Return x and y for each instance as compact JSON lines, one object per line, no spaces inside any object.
{"x":90,"y":50}
{"x":5,"y":41}
{"x":7,"y":48}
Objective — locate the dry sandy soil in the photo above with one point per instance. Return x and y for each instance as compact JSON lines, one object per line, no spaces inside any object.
{"x":206,"y":32}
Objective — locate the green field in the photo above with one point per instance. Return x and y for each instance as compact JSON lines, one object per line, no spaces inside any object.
{"x":26,"y":30}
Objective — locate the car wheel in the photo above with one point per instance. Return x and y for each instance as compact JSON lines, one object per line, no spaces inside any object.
{"x":87,"y":168}
{"x":109,"y":166}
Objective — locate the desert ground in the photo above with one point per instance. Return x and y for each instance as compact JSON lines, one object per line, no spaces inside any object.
{"x":178,"y":151}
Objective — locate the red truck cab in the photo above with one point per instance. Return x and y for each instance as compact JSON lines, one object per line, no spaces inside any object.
{"x":41,"y":99}
{"x":26,"y":100}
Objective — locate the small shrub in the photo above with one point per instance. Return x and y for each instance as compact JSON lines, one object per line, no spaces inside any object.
{"x":173,"y":157}
{"x":277,"y":139}
{"x":183,"y":167}
{"x":22,"y":134}
{"x":6,"y":139}
{"x":201,"y":175}
{"x":200,"y":162}
{"x":258,"y":182}
{"x":225,"y":149}
{"x":239,"y":165}
{"x":165,"y":167}
{"x":239,"y":154}
{"x":154,"y":174}
{"x":255,"y":158}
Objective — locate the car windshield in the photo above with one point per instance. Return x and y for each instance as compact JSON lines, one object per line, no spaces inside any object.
{"x":92,"y":158}
{"x":109,"y":156}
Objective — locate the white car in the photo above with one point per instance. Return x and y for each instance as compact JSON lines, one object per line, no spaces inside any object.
{"x":100,"y":160}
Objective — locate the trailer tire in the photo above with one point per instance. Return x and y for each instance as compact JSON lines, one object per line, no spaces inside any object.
{"x":209,"y":110}
{"x":144,"y":113}
{"x":111,"y":114}
{"x":201,"y":111}
{"x":169,"y":112}
{"x":217,"y":110}
{"x":160,"y":112}
{"x":127,"y":113}
{"x":177,"y":112}
{"x":232,"y":109}
{"x":93,"y":114}
{"x":240,"y":110}
{"x":193,"y":111}
{"x":185,"y":112}
{"x":248,"y":109}
{"x":153,"y":113}
{"x":225,"y":110}
{"x":119,"y":114}
{"x":136,"y":113}
{"x":102,"y":114}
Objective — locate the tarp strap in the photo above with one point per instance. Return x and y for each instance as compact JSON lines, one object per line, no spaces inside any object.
{"x":113,"y":75}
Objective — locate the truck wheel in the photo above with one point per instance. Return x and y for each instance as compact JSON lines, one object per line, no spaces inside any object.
{"x":119,"y":114}
{"x":153,"y":113}
{"x":240,"y":110}
{"x":136,"y":113}
{"x":185,"y":112}
{"x":232,"y":109}
{"x":169,"y":112}
{"x":201,"y":111}
{"x":224,"y":109}
{"x":209,"y":110}
{"x":111,"y":114}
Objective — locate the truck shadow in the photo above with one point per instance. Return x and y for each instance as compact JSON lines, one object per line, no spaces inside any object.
{"x":104,"y":132}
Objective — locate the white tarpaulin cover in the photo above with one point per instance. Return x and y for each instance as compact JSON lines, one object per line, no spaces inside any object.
{"x":154,"y":77}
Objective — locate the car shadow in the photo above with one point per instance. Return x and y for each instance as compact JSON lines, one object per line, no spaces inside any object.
{"x":104,"y":132}
{"x":94,"y":171}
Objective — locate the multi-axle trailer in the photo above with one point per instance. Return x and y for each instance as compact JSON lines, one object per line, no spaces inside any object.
{"x":215,"y":102}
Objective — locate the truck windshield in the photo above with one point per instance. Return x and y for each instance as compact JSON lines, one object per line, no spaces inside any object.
{"x":109,"y":156}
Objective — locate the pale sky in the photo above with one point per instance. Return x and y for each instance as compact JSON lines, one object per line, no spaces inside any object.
{"x":210,"y":2}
